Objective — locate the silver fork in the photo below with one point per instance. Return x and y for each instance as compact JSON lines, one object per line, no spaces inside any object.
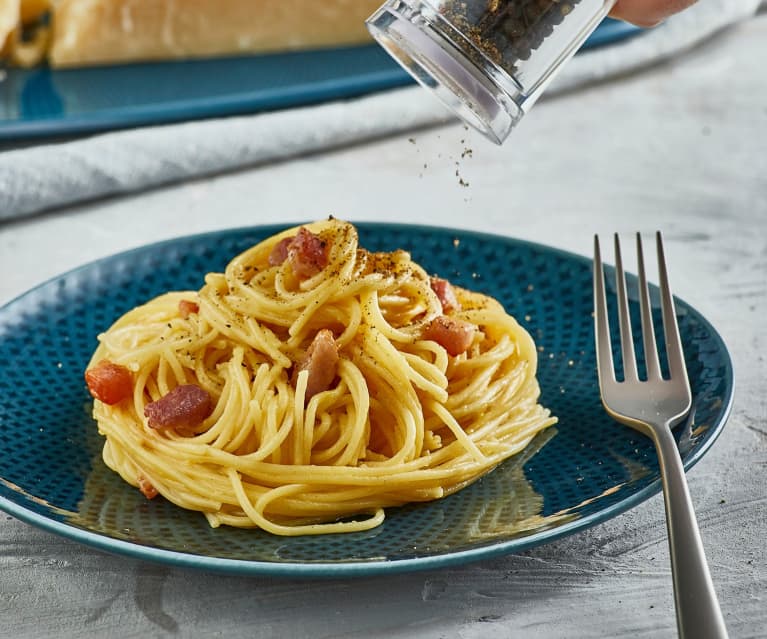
{"x":653,"y":406}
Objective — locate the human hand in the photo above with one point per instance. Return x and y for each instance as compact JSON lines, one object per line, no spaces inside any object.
{"x":648,"y":13}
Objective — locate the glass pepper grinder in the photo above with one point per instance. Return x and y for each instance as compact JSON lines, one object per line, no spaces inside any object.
{"x":487,"y":60}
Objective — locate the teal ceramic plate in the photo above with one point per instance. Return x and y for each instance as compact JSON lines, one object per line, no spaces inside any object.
{"x":42,"y":102}
{"x":584,"y":471}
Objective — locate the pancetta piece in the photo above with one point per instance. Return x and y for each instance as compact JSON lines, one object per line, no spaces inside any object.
{"x":109,"y":382}
{"x":182,"y":409}
{"x":446,"y":295}
{"x":146,"y":488}
{"x":321,"y":360}
{"x":280,"y":251}
{"x":187,"y":308}
{"x":305,"y":252}
{"x":454,"y":335}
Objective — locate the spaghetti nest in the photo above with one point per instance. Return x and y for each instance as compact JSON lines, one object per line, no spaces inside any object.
{"x":301,"y":438}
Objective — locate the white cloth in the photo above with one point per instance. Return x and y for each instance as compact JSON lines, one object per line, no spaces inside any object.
{"x":49,"y":176}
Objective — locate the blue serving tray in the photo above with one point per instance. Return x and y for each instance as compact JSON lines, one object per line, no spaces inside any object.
{"x":51,"y":103}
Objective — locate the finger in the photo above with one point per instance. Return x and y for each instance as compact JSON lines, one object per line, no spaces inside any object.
{"x":648,"y":13}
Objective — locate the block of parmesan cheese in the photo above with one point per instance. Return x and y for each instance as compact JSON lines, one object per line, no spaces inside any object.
{"x":87,"y":32}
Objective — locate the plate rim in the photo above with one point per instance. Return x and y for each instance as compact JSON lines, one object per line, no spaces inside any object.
{"x":357,"y":568}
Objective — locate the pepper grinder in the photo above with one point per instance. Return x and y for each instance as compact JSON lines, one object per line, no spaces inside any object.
{"x":487,"y":60}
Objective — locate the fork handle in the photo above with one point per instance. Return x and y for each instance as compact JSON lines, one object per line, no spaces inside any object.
{"x":698,"y":613}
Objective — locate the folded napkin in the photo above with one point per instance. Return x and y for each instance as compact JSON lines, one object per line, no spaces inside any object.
{"x":49,"y":176}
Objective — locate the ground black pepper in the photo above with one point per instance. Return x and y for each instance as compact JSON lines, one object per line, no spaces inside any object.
{"x":506,"y":31}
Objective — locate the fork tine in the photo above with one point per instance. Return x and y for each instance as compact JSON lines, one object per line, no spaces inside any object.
{"x":648,"y":332}
{"x":624,"y":318}
{"x":605,"y":369}
{"x":674,"y":352}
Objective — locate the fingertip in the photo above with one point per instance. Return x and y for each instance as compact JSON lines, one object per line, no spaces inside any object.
{"x":648,"y":13}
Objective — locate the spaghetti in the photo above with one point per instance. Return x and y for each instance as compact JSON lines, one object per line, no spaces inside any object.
{"x":312,"y":385}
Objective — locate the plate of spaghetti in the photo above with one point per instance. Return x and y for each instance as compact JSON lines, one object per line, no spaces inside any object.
{"x":324,"y":400}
